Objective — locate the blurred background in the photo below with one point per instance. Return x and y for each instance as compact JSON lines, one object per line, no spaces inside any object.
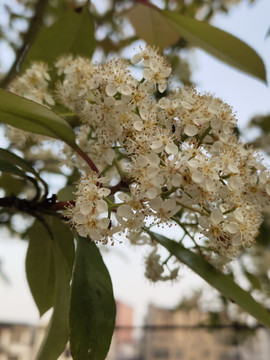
{"x":186,"y":319}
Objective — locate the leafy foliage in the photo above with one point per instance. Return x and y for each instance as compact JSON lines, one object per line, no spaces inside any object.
{"x":152,"y":27}
{"x":30,"y":116}
{"x":216,"y":42}
{"x":51,"y":257}
{"x":221,"y":282}
{"x":72,"y":33}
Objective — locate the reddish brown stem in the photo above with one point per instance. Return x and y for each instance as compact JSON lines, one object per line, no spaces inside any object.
{"x":86,"y":158}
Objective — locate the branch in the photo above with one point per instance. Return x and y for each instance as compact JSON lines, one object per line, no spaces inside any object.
{"x":29,"y":38}
{"x":32,"y":207}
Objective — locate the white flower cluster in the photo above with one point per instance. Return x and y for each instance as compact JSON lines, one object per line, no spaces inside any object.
{"x":33,"y":85}
{"x":174,"y":154}
{"x":154,"y":268}
{"x":86,"y":215}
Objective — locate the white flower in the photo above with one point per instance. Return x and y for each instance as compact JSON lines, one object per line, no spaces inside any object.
{"x":180,"y":149}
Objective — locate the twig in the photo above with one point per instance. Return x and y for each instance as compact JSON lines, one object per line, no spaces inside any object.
{"x":33,"y":207}
{"x":84,"y":156}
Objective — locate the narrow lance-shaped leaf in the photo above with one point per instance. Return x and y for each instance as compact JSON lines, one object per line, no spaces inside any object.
{"x":22,"y":165}
{"x":35,"y":118}
{"x":18,"y":162}
{"x":40,"y":267}
{"x":72,"y":33}
{"x":92,"y":305}
{"x":218,"y":43}
{"x":152,"y":26}
{"x":6,"y":166}
{"x":62,"y":253}
{"x":221,"y":282}
{"x":262,"y":121}
{"x":56,"y":336}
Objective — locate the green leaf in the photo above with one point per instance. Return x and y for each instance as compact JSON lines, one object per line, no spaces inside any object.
{"x":56,"y":335}
{"x":92,"y":306}
{"x":262,"y":121}
{"x":40,"y":267}
{"x":67,"y":193}
{"x":35,"y":118}
{"x":152,"y":27}
{"x":18,"y":162}
{"x":10,"y":184}
{"x":218,"y":43}
{"x":6,"y":166}
{"x":65,"y":241}
{"x":72,"y":33}
{"x":23,"y":165}
{"x":40,"y":259}
{"x":221,"y":282}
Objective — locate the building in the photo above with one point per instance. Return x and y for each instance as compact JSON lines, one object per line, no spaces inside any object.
{"x":167,"y":334}
{"x":182,"y":334}
{"x":22,"y":341}
{"x":16,"y":341}
{"x":124,"y":345}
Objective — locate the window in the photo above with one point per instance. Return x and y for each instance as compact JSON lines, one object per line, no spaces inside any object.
{"x":179,"y":354}
{"x":16,"y":335}
{"x":13,"y":357}
{"x":161,"y":353}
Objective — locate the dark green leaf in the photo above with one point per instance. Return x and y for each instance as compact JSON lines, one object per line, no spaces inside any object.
{"x":72,"y":33}
{"x":40,"y":259}
{"x":56,"y":335}
{"x":8,"y":167}
{"x":263,"y":238}
{"x":92,"y":306}
{"x":20,"y":163}
{"x":262,"y":121}
{"x":10,"y":184}
{"x":64,"y":238}
{"x":17,"y":161}
{"x":67,"y":193}
{"x":221,"y":282}
{"x":30,"y":116}
{"x":218,"y":43}
{"x":40,"y":267}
